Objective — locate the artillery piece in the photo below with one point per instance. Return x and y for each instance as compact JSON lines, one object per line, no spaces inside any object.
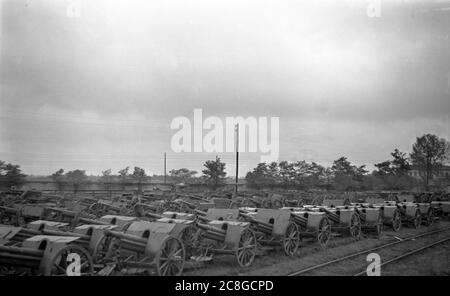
{"x":371,"y":218}
{"x":313,"y":225}
{"x":46,"y":255}
{"x":409,"y":212}
{"x":441,"y":208}
{"x":155,"y":250}
{"x":343,"y":220}
{"x":102,"y":208}
{"x":229,"y":238}
{"x":389,"y":211}
{"x":141,"y":209}
{"x":73,"y":218}
{"x":274,"y":227}
{"x":90,"y":237}
{"x":423,"y":203}
{"x":20,"y":214}
{"x":183,"y":229}
{"x":123,"y":222}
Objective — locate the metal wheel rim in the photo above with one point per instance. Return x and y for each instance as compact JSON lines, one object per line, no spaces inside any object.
{"x":355,"y":226}
{"x":429,"y":218}
{"x":246,"y":251}
{"x":188,"y":237}
{"x":323,"y":237}
{"x":170,"y":258}
{"x":379,"y":227}
{"x":291,"y":239}
{"x":417,"y":219}
{"x":396,"y":221}
{"x":58,"y":263}
{"x":101,"y":249}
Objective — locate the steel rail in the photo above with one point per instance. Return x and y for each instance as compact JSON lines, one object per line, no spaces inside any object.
{"x":314,"y":267}
{"x":408,"y":254}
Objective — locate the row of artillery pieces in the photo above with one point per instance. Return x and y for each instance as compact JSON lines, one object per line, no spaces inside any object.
{"x":43,"y":240}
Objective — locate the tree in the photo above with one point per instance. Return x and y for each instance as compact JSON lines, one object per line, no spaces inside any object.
{"x":182,"y":175}
{"x":11,"y":174}
{"x":140,"y":176}
{"x":400,"y":163}
{"x":123,"y":176}
{"x":76,"y":178}
{"x":384,"y":168}
{"x":58,"y":177}
{"x":428,"y":153}
{"x":214,"y":172}
{"x":391,"y":174}
{"x":106,"y":180}
{"x":346,"y":175}
{"x":260,"y":176}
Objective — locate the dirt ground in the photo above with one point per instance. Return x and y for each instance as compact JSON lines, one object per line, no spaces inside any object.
{"x":434,"y":261}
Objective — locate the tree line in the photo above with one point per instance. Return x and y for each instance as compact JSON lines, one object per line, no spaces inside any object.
{"x":428,"y":154}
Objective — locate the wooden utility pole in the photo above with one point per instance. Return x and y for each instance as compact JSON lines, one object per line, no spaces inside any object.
{"x":165,"y":166}
{"x":237,"y":159}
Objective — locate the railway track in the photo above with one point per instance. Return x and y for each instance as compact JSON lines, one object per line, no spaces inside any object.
{"x":317,"y":267}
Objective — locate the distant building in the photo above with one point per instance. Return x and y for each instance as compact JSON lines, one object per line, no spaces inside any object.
{"x":442,"y":172}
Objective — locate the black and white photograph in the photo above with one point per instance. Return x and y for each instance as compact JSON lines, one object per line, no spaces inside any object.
{"x":224,"y":143}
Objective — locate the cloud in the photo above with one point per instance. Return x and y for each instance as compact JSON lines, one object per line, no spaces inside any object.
{"x":113,"y":79}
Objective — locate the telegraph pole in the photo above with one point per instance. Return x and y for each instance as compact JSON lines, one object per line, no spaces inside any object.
{"x":237,"y":159}
{"x":165,"y":162}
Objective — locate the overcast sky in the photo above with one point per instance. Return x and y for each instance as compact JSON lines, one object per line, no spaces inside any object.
{"x":100,"y":90}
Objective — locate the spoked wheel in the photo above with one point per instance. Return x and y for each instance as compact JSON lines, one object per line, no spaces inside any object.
{"x":417,"y":219}
{"x":277,"y":204}
{"x":246,"y":251}
{"x":184,"y":208}
{"x":324,"y":233}
{"x":138,"y":210}
{"x":189,"y":236}
{"x":379,"y":226}
{"x":96,"y":209}
{"x":245,"y":202}
{"x":429,"y":220}
{"x":317,"y":201}
{"x":355,"y":226}
{"x":170,"y":258}
{"x":70,"y":260}
{"x":101,"y":249}
{"x":267,"y":203}
{"x":396,"y":221}
{"x":291,"y":240}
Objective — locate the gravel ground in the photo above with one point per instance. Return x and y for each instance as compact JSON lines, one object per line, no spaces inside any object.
{"x":428,"y":262}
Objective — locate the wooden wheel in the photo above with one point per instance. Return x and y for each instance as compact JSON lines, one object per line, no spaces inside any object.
{"x":277,"y":204}
{"x":138,"y":210}
{"x":188,"y":236}
{"x":96,"y":209}
{"x":396,"y":221}
{"x":379,"y":226}
{"x":429,"y":220}
{"x":417,"y":219}
{"x":267,"y":203}
{"x":246,"y":250}
{"x":324,"y":232}
{"x":101,"y":249}
{"x":61,"y":263}
{"x":170,"y":258}
{"x":355,"y":226}
{"x":245,"y":202}
{"x":291,"y":240}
